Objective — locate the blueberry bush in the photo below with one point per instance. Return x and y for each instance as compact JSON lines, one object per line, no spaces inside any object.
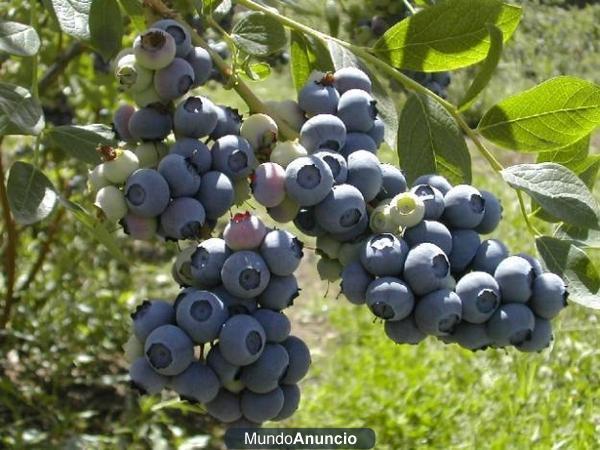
{"x":237,"y":143}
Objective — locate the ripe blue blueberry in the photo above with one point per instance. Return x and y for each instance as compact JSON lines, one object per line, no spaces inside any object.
{"x":323,"y":131}
{"x":196,"y":384}
{"x":235,"y":305}
{"x":229,"y":121}
{"x":355,"y":281}
{"x":242,"y":340}
{"x":201,"y":314}
{"x":147,"y":193}
{"x":245,"y":274}
{"x":358,"y":141}
{"x":216,"y":193}
{"x":183,"y":219}
{"x":243,"y":423}
{"x":465,"y":207}
{"x":202,"y":65}
{"x":291,"y":401}
{"x":308,"y":180}
{"x":139,"y":228}
{"x":438,"y":313}
{"x":195,"y":117}
{"x":377,"y":131}
{"x":541,"y":337}
{"x":282,"y":252}
{"x":437,"y":181}
{"x":207,"y":261}
{"x":175,"y":80}
{"x":261,"y":407}
{"x":337,"y":163}
{"x":426,"y":268}
{"x":195,"y":151}
{"x":233,"y":156}
{"x":121,"y":122}
{"x":549,"y":296}
{"x":432,"y":232}
{"x":299,"y":360}
{"x":384,"y":254}
{"x":263,"y":375}
{"x":535,"y":263}
{"x":492,"y":215}
{"x":511,"y":324}
{"x":151,"y":123}
{"x":489,"y":254}
{"x":356,"y":231}
{"x":358,"y":110}
{"x":480,"y":295}
{"x":364,"y":173}
{"x":389,"y":298}
{"x":150,"y":315}
{"x":471,"y":336}
{"x":393,"y":182}
{"x":280,"y":293}
{"x":225,"y":371}
{"x":348,"y":78}
{"x":319,"y":96}
{"x":515,"y":277}
{"x":342,"y":209}
{"x":154,"y":49}
{"x":465,"y":244}
{"x":145,"y":379}
{"x":225,"y":407}
{"x":183,"y":40}
{"x":432,"y":198}
{"x":276,"y":324}
{"x":404,"y":331}
{"x":180,"y":174}
{"x":307,"y":223}
{"x":169,"y":350}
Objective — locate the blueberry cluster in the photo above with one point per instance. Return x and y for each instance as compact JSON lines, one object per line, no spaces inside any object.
{"x":235,"y":289}
{"x":176,"y":189}
{"x":434,"y":276}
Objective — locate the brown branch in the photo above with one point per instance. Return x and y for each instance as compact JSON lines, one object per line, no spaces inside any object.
{"x":63,"y":60}
{"x":10,"y":257}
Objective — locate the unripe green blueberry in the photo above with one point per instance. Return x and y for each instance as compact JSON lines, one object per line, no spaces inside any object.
{"x":182,"y":269}
{"x":381,"y":221}
{"x":150,"y":153}
{"x":260,"y":130}
{"x":285,"y":152}
{"x":289,"y":111}
{"x":131,"y":75}
{"x":112,"y":203}
{"x":285,"y":212}
{"x":118,"y":170}
{"x":350,"y":251}
{"x":133,"y":348}
{"x":96,"y":178}
{"x":146,"y":97}
{"x":407,"y":209}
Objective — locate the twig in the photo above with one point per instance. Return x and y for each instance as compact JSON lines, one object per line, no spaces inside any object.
{"x":76,"y":49}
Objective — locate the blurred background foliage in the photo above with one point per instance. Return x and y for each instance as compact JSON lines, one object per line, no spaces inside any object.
{"x":63,"y":378}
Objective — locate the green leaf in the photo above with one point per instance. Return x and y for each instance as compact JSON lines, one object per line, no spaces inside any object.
{"x":20,"y":113}
{"x":97,"y":230}
{"x":450,"y":35}
{"x":18,"y":39}
{"x":487,"y":68}
{"x":586,"y":169}
{"x":300,"y":54}
{"x":257,"y":71}
{"x":259,"y":35}
{"x":81,"y":142}
{"x":430,"y":141}
{"x":558,"y":190}
{"x":554,"y":114}
{"x":106,"y":27}
{"x":135,"y":12}
{"x":574,"y":266}
{"x":571,"y":153}
{"x":388,"y":113}
{"x":31,"y":195}
{"x":581,"y":237}
{"x":73,"y":17}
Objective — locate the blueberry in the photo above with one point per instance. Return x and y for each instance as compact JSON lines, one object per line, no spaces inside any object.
{"x":147,"y":193}
{"x":358,"y":110}
{"x":432,"y":198}
{"x":180,"y":270}
{"x":245,"y":274}
{"x":329,"y":269}
{"x":291,"y":401}
{"x":112,"y":203}
{"x":262,"y":407}
{"x":263,"y":375}
{"x":285,"y":152}
{"x":242,"y":340}
{"x":492,"y":215}
{"x":151,"y":123}
{"x":348,"y":78}
{"x":308,"y":180}
{"x":465,"y":207}
{"x":323,"y":131}
{"x":235,"y":305}
{"x":96,"y":179}
{"x":139,"y":228}
{"x":180,"y":174}
{"x":282,"y":252}
{"x":183,"y":40}
{"x":535,"y":263}
{"x":299,"y":360}
{"x":511,"y":324}
{"x":195,"y":117}
{"x":201,"y":314}
{"x":121,"y":122}
{"x":280,"y":293}
{"x":229,"y":121}
{"x":337,"y":163}
{"x":225,"y":371}
{"x":145,"y":379}
{"x":169,"y":350}
{"x":515,"y":277}
{"x":465,"y":244}
{"x":307,"y":223}
{"x":438,"y":313}
{"x":364,"y":173}
{"x":358,"y":141}
{"x":244,"y":232}
{"x":384,"y":254}
{"x":319,"y":97}
{"x":393,"y":182}
{"x":380,"y":220}
{"x":389,"y":298}
{"x":150,"y":315}
{"x":202,"y":65}
{"x":437,"y":181}
{"x":377,"y":131}
{"x":356,"y":231}
{"x":404,"y":331}
{"x":121,"y":164}
{"x":225,"y":407}
{"x":489,"y":254}
{"x":540,"y":338}
{"x":268,"y":184}
{"x":289,"y":111}
{"x":285,"y":212}
{"x":341,"y":210}
{"x":175,"y":80}
{"x":233,"y":156}
{"x":195,"y":151}
{"x":216,"y":193}
{"x":243,"y":423}
{"x":276,"y":325}
{"x":407,"y":210}
{"x":207,"y":261}
{"x":471,"y":336}
{"x":154,"y":49}
{"x":432,"y":232}
{"x":426,"y":268}
{"x":480,"y":295}
{"x":183,"y":219}
{"x":131,"y":75}
{"x":147,"y":97}
{"x":150,"y":153}
{"x":549,"y":296}
{"x":197,"y":383}
{"x":260,"y":131}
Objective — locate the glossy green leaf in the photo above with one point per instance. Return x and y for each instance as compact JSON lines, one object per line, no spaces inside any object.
{"x":106,"y":27}
{"x":259,"y":35}
{"x":81,"y":142}
{"x":20,"y":113}
{"x":31,"y":195}
{"x":300,"y":59}
{"x":18,"y":39}
{"x":257,"y":71}
{"x":450,"y":35}
{"x":552,"y":115}
{"x":73,"y":17}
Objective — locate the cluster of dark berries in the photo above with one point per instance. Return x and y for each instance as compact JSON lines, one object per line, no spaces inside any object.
{"x":235,"y":290}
